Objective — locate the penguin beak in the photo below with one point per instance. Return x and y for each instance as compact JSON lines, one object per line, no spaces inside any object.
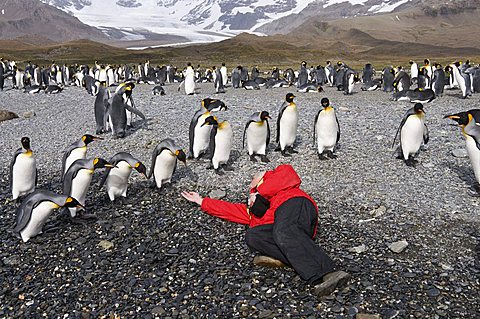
{"x":452,"y":117}
{"x":110,"y":165}
{"x":97,"y":138}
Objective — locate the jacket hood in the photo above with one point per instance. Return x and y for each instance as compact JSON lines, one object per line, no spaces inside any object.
{"x":280,"y":179}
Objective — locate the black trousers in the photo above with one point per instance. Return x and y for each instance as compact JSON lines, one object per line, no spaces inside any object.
{"x":289,"y":239}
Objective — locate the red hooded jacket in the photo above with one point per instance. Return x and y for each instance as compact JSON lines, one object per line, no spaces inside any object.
{"x":279,"y":185}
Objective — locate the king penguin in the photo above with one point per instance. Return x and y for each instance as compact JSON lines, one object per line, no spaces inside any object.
{"x":287,"y":123}
{"x":257,"y":131}
{"x":23,"y":171}
{"x":100,"y":107}
{"x":164,"y":161}
{"x":199,"y":136}
{"x":220,"y":143}
{"x":78,"y":177}
{"x":116,"y":178}
{"x":77,"y":150}
{"x":469,"y":121}
{"x":35,"y":210}
{"x":327,"y":130}
{"x":413,"y":131}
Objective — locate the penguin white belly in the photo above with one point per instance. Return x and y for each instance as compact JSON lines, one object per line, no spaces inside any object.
{"x":201,"y":137}
{"x":59,"y":77}
{"x":326,"y":130}
{"x":24,"y":175}
{"x":117,"y":180}
{"x":474,"y":155}
{"x":78,"y":153}
{"x":412,"y":136}
{"x":38,"y":218}
{"x":164,"y":167}
{"x":189,"y":84}
{"x":18,"y":80}
{"x":223,"y":145}
{"x":288,"y":127}
{"x":257,"y":138}
{"x":80,"y":185}
{"x":351,"y":84}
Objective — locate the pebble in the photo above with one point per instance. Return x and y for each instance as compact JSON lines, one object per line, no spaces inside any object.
{"x":399,"y":246}
{"x":377,"y":212}
{"x":433,"y":292}
{"x":367,"y":316}
{"x":7,"y":115}
{"x":29,"y":114}
{"x":358,"y":249}
{"x":460,"y":153}
{"x":105,"y":244}
{"x":12,"y":261}
{"x":217,"y":194}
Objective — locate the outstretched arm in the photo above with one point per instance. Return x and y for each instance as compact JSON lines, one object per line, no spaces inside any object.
{"x":236,"y":213}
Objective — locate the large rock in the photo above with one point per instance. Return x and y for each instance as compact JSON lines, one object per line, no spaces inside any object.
{"x":398,"y":246}
{"x":7,"y":115}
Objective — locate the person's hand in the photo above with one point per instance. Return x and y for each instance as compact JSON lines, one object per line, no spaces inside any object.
{"x":257,"y":179}
{"x":193,"y":197}
{"x":251,"y":199}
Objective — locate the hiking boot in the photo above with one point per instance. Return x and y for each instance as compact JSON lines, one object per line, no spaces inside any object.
{"x":265,"y":261}
{"x":331,"y":281}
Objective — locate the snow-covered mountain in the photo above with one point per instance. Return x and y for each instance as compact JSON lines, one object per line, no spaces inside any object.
{"x":202,"y":20}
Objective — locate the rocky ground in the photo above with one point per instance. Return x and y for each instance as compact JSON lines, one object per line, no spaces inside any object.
{"x":159,"y":256}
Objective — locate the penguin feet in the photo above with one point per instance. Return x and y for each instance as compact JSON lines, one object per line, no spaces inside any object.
{"x":285,"y":154}
{"x":210,"y":166}
{"x":264,"y":159}
{"x":291,"y":150}
{"x":278,"y":149}
{"x":331,"y":155}
{"x":219,"y":172}
{"x":228,"y":168}
{"x":321,"y":157}
{"x":410,"y":162}
{"x":252,"y":158}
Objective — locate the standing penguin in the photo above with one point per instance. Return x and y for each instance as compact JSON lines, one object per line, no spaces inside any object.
{"x":413,"y":131}
{"x":388,"y":75}
{"x":23,"y":171}
{"x":218,"y":82}
{"x":287,"y":123}
{"x":198,"y":134}
{"x":189,"y":81}
{"x":78,"y":177}
{"x":413,"y":71}
{"x":220,"y":143}
{"x":461,"y":79}
{"x":76,"y":150}
{"x":223,"y":71}
{"x":330,"y":73}
{"x":438,"y":80}
{"x":164,"y":161}
{"x":469,"y":121}
{"x":116,"y":178}
{"x":236,"y":77}
{"x":327,"y":130}
{"x":302,"y":74}
{"x":350,"y":77}
{"x":257,"y":131}
{"x":35,"y":210}
{"x":117,"y":111}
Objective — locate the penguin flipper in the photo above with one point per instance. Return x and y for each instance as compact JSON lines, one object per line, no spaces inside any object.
{"x":211,"y":144}
{"x":280,"y":113}
{"x":12,"y":163}
{"x":315,"y":125}
{"x":135,"y":111}
{"x":338,"y":129}
{"x":268,"y":134}
{"x":426,"y":135}
{"x":409,"y":112}
{"x":244,"y":133}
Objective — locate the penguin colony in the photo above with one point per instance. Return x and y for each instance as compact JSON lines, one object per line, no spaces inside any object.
{"x":209,"y":133}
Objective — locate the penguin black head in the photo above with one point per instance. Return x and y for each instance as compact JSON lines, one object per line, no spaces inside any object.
{"x":189,"y":64}
{"x":182,"y":157}
{"x":426,"y":61}
{"x":141,"y":168}
{"x":461,"y":118}
{"x":325,"y":102}
{"x":223,"y":64}
{"x":391,"y":71}
{"x":289,"y":98}
{"x":213,"y":104}
{"x":101,"y":163}
{"x":411,"y":62}
{"x":72,"y":202}
{"x":87,"y":138}
{"x":211,"y":120}
{"x":418,"y":107}
{"x":25,"y":143}
{"x":264,"y":115}
{"x":304,"y":63}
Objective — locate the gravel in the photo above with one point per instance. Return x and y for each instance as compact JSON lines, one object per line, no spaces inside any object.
{"x":161,"y":257}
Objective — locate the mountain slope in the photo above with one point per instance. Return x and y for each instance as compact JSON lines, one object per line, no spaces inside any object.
{"x":29,"y":17}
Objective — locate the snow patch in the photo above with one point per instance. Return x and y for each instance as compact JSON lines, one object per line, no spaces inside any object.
{"x":386,"y":6}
